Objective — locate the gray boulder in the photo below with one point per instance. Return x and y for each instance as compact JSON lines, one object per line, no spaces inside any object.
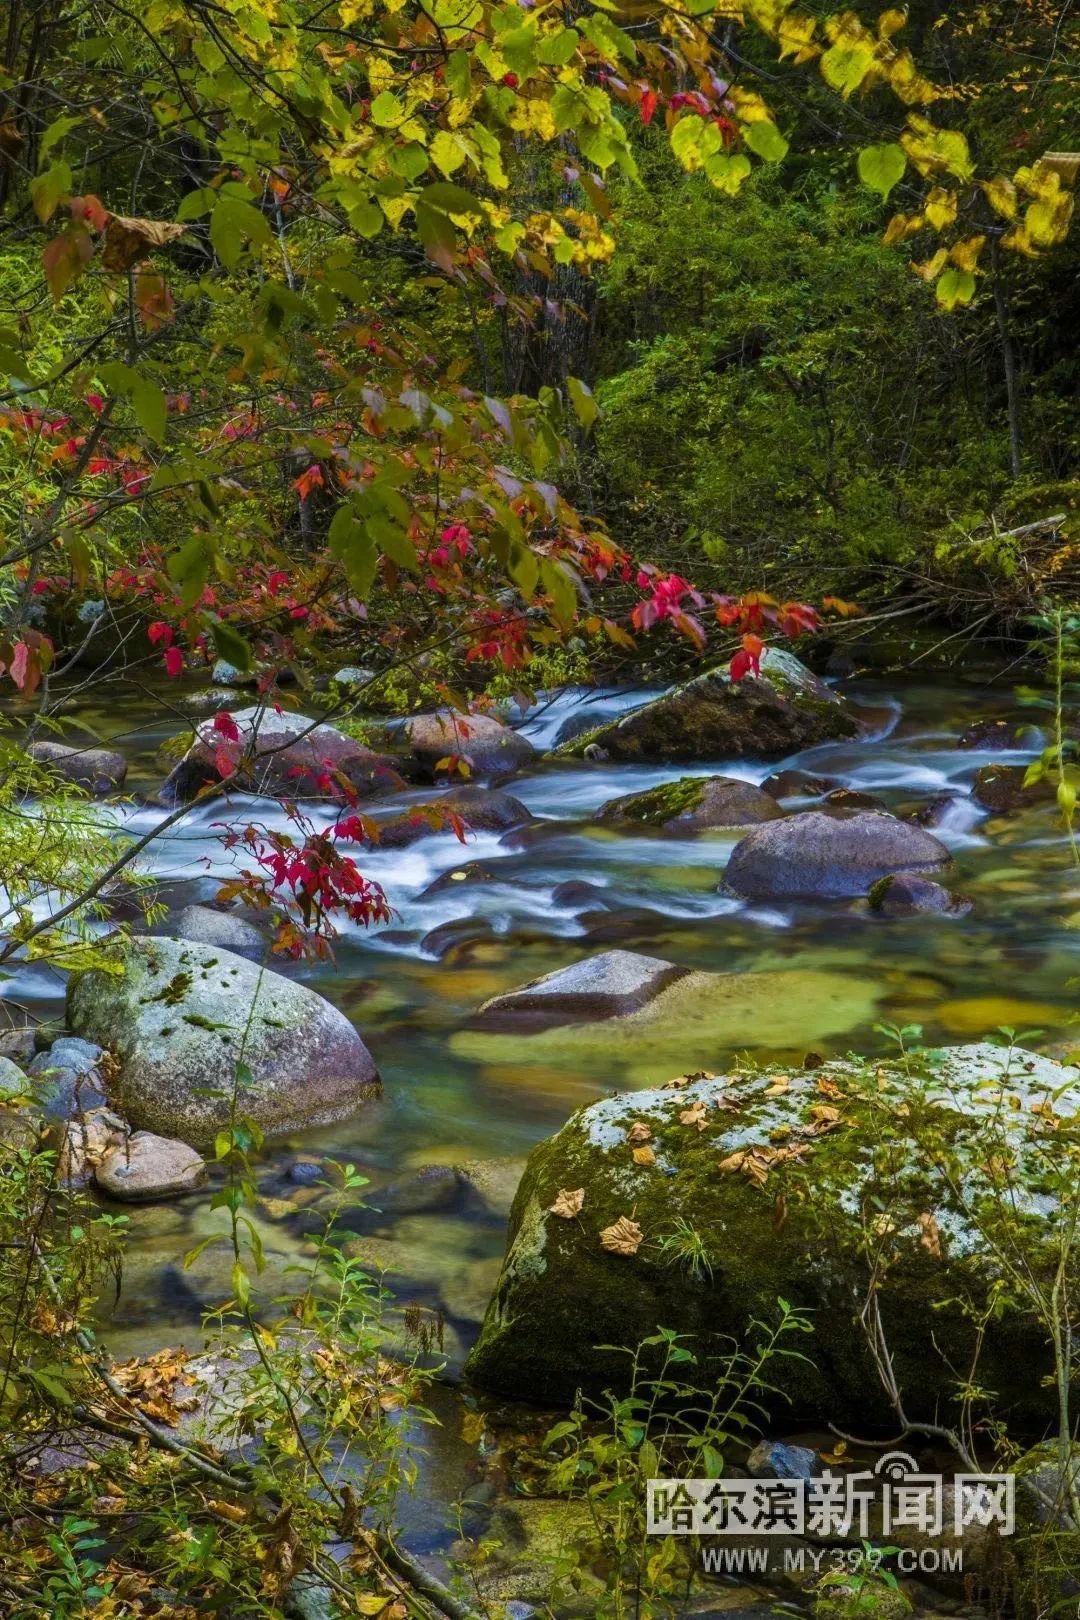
{"x":775,"y":1177}
{"x":69,"y":1074}
{"x":695,"y":804}
{"x":282,"y":756}
{"x":147,"y":1168}
{"x":481,"y":809}
{"x":489,"y":747}
{"x":828,"y":856}
{"x":605,"y":986}
{"x":13,"y":1082}
{"x":183,"y":1018}
{"x":205,"y":926}
{"x":713,"y":717}
{"x":98,"y":770}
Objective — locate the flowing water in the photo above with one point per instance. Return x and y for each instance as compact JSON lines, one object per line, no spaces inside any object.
{"x":476,"y":920}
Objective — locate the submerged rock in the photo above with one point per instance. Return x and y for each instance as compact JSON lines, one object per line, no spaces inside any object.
{"x":98,"y":770}
{"x":796,"y":784}
{"x":146,"y":1168}
{"x":905,"y":894}
{"x":489,"y":747}
{"x":695,"y":804}
{"x":828,"y":856}
{"x":606,"y":986}
{"x":1000,"y":735}
{"x":1002,"y":787}
{"x":712,"y":716}
{"x":283,"y":756}
{"x":772,"y":1177}
{"x":690,"y":1025}
{"x":183,"y":1020}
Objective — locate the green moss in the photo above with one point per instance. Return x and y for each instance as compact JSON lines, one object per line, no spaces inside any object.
{"x":660,"y":804}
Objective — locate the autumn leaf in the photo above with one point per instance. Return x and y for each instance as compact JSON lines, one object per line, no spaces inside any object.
{"x":734,"y":1161}
{"x":694,"y":1115}
{"x":644,"y":1155}
{"x":568,"y":1202}
{"x":624,"y":1237}
{"x":129,"y":240}
{"x":778,"y":1086}
{"x":638,"y":1132}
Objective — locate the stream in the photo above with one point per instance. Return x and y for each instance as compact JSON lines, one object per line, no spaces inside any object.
{"x":476,"y":920}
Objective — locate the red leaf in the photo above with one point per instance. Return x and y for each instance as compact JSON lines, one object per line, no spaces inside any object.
{"x":649,"y":101}
{"x":226,"y":726}
{"x":20,"y":667}
{"x":174,"y":661}
{"x":159,"y":631}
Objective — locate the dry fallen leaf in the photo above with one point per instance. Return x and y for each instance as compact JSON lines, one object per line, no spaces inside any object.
{"x":837,"y":1456}
{"x":644,"y":1155}
{"x":638,"y":1132}
{"x":129,"y":240}
{"x":568,"y":1202}
{"x":778,"y":1085}
{"x":734,"y":1161}
{"x":694,"y":1115}
{"x":829,"y":1088}
{"x":624,"y":1237}
{"x":931,"y":1235}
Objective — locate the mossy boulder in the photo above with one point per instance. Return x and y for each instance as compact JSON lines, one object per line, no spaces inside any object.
{"x":184,"y":1020}
{"x":713,"y":717}
{"x":694,"y":804}
{"x":813,"y":1186}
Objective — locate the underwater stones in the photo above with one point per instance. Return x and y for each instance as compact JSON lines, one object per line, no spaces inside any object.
{"x":999,"y":735}
{"x":146,"y":1168}
{"x":828,"y":856}
{"x":481,"y":809}
{"x":98,"y":770}
{"x":906,"y":894}
{"x":712,"y":716}
{"x":281,"y":755}
{"x":183,"y":1016}
{"x":610,"y":985}
{"x":691,"y":1024}
{"x":694,"y":804}
{"x":489,"y":747}
{"x":205,"y":925}
{"x":1002,"y":787}
{"x":810,"y":1141}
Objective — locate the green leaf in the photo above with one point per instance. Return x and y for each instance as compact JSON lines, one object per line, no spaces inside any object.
{"x":560,"y":587}
{"x":354,"y":548}
{"x":233,"y":224}
{"x":231,"y":645}
{"x":881,"y":167}
{"x":48,"y":190}
{"x":148,"y":404}
{"x":764,"y":139}
{"x":955,"y":287}
{"x":524,"y":570}
{"x":393,"y":542}
{"x":581,"y":398}
{"x":241,"y":1284}
{"x":190,"y":568}
{"x":386,"y":110}
{"x":55,"y":133}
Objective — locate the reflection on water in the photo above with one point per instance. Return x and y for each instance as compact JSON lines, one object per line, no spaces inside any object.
{"x":471,"y":922}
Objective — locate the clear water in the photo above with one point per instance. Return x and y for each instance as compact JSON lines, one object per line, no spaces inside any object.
{"x":810,"y":975}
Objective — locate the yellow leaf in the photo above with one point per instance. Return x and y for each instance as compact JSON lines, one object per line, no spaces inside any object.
{"x":734,"y":1161}
{"x":930,"y":1235}
{"x":568,"y":1202}
{"x":1001,"y":195}
{"x":644,"y":1155}
{"x":780,"y":1084}
{"x":940,"y":207}
{"x":932,"y":268}
{"x":624,"y":1237}
{"x":965,"y":254}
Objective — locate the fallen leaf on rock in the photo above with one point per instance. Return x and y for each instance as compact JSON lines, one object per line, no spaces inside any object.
{"x":687,"y":1079}
{"x":638,"y":1132}
{"x":734,"y":1161}
{"x":644,"y":1155}
{"x":624,"y":1237}
{"x":930,"y":1235}
{"x":694,"y":1115}
{"x":829,"y":1088}
{"x":568,"y":1202}
{"x":778,"y":1085}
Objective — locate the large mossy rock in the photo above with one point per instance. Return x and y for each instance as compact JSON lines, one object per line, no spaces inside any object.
{"x":283,"y":756}
{"x":180,"y":1017}
{"x":714,"y":717}
{"x":810,"y":1186}
{"x":829,"y":855}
